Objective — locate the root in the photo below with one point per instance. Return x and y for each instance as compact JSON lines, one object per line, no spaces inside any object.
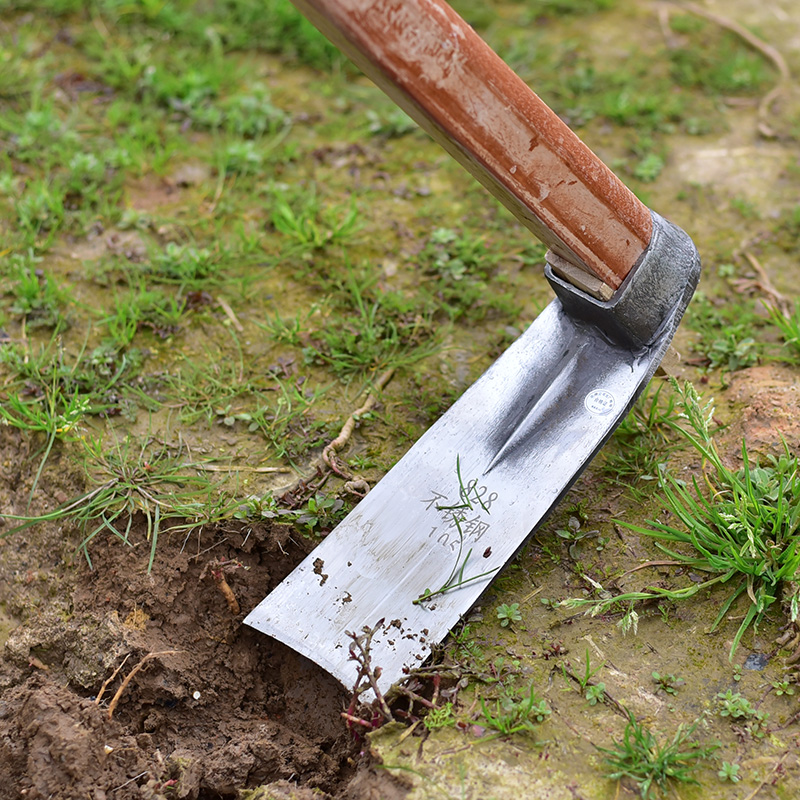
{"x":356,"y":485}
{"x":109,"y":681}
{"x":762,"y":284}
{"x":217,"y":570}
{"x":112,"y":706}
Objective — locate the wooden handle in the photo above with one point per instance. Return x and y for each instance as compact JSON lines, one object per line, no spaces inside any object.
{"x":444,"y":76}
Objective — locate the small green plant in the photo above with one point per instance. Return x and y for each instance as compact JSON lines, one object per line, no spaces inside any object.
{"x":668,"y":684}
{"x":54,"y":414}
{"x":789,"y":326}
{"x":744,"y":531}
{"x":729,"y":333}
{"x":391,"y":124}
{"x":438,"y":718}
{"x":738,"y":708}
{"x":128,"y":481}
{"x":309,"y":225}
{"x":729,"y":772}
{"x":595,"y":693}
{"x":35,"y":295}
{"x":184,"y":264}
{"x":642,"y":441}
{"x":321,"y":513}
{"x":458,"y":266}
{"x":649,"y":168}
{"x":584,"y":680}
{"x":512,"y":714}
{"x":507,"y":614}
{"x":362,"y":333}
{"x":783,"y":687}
{"x":652,"y":765}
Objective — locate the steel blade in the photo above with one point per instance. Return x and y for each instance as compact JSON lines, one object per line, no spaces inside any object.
{"x":519,"y":437}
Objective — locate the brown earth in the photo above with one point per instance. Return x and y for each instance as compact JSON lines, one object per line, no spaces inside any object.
{"x":211,"y":706}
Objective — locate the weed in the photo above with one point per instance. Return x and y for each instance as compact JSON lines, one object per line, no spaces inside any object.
{"x":365,"y":336}
{"x":595,"y":693}
{"x":727,"y":67}
{"x":242,"y":157}
{"x":130,"y":480}
{"x":438,"y":718}
{"x":651,"y":765}
{"x":729,"y":337}
{"x":310,"y":226}
{"x":789,"y":326}
{"x":745,"y":531}
{"x":251,"y":115}
{"x":189,"y":266}
{"x":286,"y":423}
{"x":458,"y":265}
{"x":668,"y":684}
{"x":649,"y":168}
{"x":468,"y":495}
{"x":739,"y":709}
{"x":729,"y":772}
{"x":53,"y":413}
{"x":508,"y":614}
{"x":321,"y":514}
{"x":392,"y":124}
{"x":512,"y":714}
{"x":35,"y":296}
{"x":783,"y":688}
{"x":40,"y":208}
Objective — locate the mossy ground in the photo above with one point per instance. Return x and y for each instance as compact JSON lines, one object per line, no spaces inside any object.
{"x":217,"y":237}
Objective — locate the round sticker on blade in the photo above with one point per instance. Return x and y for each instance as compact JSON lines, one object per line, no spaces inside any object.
{"x":600,"y":402}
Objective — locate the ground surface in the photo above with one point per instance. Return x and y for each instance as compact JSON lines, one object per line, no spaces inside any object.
{"x":217,"y":238}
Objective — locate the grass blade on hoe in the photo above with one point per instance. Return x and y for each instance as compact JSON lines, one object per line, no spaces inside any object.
{"x":418,"y":551}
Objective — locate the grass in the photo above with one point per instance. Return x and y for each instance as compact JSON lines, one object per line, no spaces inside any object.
{"x":642,"y":441}
{"x":655,"y":766}
{"x":740,"y":527}
{"x":157,"y":158}
{"x":132,"y":480}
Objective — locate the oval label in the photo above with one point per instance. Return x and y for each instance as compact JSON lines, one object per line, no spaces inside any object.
{"x":600,"y":402}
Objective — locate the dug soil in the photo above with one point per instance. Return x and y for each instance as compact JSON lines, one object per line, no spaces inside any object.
{"x":123,"y":684}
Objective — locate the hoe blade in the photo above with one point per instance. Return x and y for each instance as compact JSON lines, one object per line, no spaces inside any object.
{"x":464,"y":499}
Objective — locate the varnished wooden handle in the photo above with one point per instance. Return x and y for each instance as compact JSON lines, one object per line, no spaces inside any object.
{"x":444,"y":76}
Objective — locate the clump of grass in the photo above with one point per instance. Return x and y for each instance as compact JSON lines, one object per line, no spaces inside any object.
{"x":789,"y":326}
{"x":652,"y":765}
{"x":641,"y":442}
{"x":129,"y":480}
{"x":457,"y":267}
{"x":34,"y":295}
{"x":308,"y":225}
{"x":728,"y":67}
{"x":741,"y":527}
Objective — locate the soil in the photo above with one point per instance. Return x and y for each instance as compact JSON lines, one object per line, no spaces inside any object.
{"x":124,"y":684}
